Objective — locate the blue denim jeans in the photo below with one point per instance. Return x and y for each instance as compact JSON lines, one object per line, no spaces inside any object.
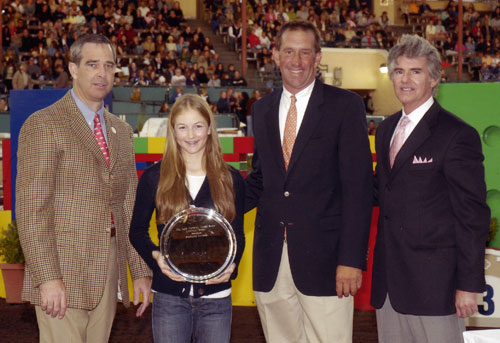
{"x":177,"y":319}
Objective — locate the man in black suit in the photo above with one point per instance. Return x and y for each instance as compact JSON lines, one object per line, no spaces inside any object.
{"x":311,"y":179}
{"x":433,"y":225}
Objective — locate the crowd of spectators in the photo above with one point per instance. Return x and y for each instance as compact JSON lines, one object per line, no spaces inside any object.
{"x":154,"y":44}
{"x":344,"y":23}
{"x":341,"y":22}
{"x":481,"y":35}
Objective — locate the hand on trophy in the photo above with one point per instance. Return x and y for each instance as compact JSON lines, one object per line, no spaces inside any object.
{"x":165,"y":269}
{"x":225,"y":277}
{"x":199,"y":244}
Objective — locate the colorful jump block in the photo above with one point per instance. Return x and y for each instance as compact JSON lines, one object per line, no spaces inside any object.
{"x":149,"y":145}
{"x":227,"y":144}
{"x":148,"y":157}
{"x":243,"y":145}
{"x":141,"y":145}
{"x":141,"y":165}
{"x":156,"y":145}
{"x":372,"y":143}
{"x":372,"y":149}
{"x":235,"y":151}
{"x":234,"y":157}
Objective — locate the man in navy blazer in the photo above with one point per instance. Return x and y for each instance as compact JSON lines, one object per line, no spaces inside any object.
{"x":314,"y":208}
{"x":433,"y":225}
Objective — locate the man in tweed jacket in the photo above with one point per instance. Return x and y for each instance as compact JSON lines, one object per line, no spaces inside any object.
{"x":74,"y":205}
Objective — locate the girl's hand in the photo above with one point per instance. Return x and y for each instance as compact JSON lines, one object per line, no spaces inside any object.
{"x":225,"y":277}
{"x":165,"y":269}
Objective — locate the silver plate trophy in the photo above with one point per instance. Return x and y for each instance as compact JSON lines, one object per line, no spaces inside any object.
{"x":198,"y":243}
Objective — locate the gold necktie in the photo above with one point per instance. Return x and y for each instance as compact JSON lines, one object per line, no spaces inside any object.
{"x":290,"y":131}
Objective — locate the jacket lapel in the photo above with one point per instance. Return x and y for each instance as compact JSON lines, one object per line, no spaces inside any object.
{"x":383,"y":156}
{"x":309,"y":122}
{"x":81,"y":129}
{"x":418,"y":136}
{"x":273,"y":133}
{"x":113,"y":141}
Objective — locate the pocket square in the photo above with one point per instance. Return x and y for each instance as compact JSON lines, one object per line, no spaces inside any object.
{"x":419,"y":160}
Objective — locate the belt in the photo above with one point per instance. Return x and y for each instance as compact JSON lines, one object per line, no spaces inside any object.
{"x":113,"y":232}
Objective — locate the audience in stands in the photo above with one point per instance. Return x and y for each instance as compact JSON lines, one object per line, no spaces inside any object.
{"x":155,"y":45}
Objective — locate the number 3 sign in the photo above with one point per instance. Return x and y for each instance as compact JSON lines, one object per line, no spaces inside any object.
{"x":488,"y":312}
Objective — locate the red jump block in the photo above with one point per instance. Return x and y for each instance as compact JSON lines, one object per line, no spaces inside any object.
{"x":234,"y":157}
{"x":243,"y":145}
{"x":148,"y":157}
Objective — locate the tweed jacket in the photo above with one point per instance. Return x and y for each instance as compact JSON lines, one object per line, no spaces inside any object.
{"x":65,"y":196}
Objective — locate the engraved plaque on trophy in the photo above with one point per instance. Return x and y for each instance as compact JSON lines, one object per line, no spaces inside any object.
{"x":198,"y":243}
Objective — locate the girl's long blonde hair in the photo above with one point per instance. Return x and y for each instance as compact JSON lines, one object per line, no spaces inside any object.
{"x":171,"y":196}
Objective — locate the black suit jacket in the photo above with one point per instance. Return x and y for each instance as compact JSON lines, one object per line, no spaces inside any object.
{"x":434,"y":219}
{"x":324,"y":198}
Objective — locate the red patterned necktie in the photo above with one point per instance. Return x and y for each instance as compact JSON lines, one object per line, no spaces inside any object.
{"x":399,"y":138}
{"x":99,"y":136}
{"x":290,"y":132}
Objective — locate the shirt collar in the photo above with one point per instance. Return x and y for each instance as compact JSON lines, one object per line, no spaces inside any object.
{"x":87,"y":112}
{"x":305,"y":93}
{"x":417,"y":114}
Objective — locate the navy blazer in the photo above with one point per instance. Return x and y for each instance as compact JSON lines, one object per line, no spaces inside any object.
{"x":434,"y":220}
{"x":323,"y":200}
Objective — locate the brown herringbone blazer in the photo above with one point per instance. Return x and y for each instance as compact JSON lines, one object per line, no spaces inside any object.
{"x":65,"y":193}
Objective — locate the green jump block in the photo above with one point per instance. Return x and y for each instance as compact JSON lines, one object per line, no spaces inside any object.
{"x":141,"y":145}
{"x":227,"y":144}
{"x":236,"y":165}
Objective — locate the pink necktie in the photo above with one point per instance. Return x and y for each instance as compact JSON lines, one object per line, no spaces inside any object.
{"x":99,"y":136}
{"x":290,"y":131}
{"x":399,"y":138}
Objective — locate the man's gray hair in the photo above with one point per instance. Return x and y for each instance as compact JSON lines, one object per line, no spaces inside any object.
{"x":77,"y":47}
{"x":414,"y":46}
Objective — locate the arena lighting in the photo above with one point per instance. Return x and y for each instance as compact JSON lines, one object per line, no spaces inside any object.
{"x":383,"y":68}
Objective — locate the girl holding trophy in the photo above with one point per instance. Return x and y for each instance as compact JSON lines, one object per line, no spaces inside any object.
{"x":191,"y":173}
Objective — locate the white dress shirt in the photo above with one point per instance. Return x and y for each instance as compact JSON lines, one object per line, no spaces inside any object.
{"x":302,"y":99}
{"x":414,"y":117}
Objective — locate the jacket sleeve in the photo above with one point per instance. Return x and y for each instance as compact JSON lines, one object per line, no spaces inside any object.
{"x":139,"y":228}
{"x":464,"y":172}
{"x":237,"y":223}
{"x":253,"y":182}
{"x":36,"y":161}
{"x":356,"y":178}
{"x":138,"y":268}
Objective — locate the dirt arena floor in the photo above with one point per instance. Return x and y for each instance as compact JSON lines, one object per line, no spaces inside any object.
{"x":18,"y":325}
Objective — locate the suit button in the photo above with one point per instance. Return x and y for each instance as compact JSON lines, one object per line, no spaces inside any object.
{"x":282,"y":224}
{"x":286,"y":194}
{"x":201,"y":291}
{"x":388,"y":188}
{"x":386,"y":217}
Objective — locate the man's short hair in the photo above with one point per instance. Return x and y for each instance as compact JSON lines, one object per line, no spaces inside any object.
{"x":414,"y":46}
{"x":299,"y":25}
{"x":77,"y":47}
